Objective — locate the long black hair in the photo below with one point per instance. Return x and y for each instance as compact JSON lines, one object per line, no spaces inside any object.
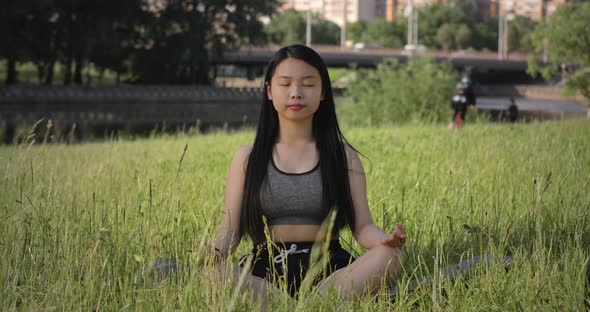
{"x":329,"y":141}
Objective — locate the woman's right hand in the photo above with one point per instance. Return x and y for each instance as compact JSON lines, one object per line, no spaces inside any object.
{"x":397,"y":239}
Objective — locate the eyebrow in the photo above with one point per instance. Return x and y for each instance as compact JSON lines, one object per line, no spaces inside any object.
{"x":306,"y":77}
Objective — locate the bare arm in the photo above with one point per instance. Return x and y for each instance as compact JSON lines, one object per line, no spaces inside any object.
{"x":366,"y":233}
{"x":228,"y":235}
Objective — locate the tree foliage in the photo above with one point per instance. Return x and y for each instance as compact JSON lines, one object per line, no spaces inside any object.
{"x":289,"y":27}
{"x":465,"y":28}
{"x":419,"y":90}
{"x":565,"y":40}
{"x":164,"y":41}
{"x":445,"y":37}
{"x":519,"y":34}
{"x":463,"y":37}
{"x":356,"y":31}
{"x":387,"y":34}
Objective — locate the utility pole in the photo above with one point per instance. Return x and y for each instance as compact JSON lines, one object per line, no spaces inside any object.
{"x":415,"y":28}
{"x":503,"y":19}
{"x":500,"y":33}
{"x":308,"y":25}
{"x":412,"y":15}
{"x":343,"y":28}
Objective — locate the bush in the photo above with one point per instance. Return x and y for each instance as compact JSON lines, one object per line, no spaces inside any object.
{"x":419,"y":90}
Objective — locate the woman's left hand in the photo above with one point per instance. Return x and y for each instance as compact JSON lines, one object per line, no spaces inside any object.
{"x":396,"y":239}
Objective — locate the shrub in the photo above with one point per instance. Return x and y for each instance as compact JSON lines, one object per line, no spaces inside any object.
{"x":419,"y":90}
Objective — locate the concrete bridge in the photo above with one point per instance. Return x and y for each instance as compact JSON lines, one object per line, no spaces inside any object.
{"x":486,"y":67}
{"x":88,"y":111}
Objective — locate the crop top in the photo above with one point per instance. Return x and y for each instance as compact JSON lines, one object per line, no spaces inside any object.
{"x":292,"y":198}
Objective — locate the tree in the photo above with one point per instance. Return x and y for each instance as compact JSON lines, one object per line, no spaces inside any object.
{"x":419,"y":90}
{"x":186,"y":36}
{"x":565,"y":40}
{"x":433,"y":17}
{"x":289,"y":27}
{"x":463,"y":37}
{"x":355,"y":31}
{"x":445,"y":37}
{"x":519,"y":34}
{"x":485,"y":34}
{"x":468,"y":28}
{"x":164,"y":41}
{"x":13,"y":36}
{"x":324,"y":31}
{"x":386,"y":34}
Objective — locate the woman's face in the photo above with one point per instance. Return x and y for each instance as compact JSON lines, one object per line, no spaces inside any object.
{"x":295,"y":90}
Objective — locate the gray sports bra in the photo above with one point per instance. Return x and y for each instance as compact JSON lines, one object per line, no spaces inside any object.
{"x":292,"y":198}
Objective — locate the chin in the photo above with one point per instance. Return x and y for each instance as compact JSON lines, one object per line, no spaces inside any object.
{"x":296,"y":116}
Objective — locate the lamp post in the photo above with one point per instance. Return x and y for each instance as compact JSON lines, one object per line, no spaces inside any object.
{"x":503,"y":32}
{"x":412,"y":14}
{"x":343,"y":28}
{"x":308,"y":26}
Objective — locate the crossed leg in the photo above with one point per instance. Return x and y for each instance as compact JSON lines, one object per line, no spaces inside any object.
{"x":261,"y":289}
{"x":366,"y":274}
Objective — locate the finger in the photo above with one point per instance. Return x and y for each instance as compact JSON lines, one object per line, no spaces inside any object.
{"x":388,"y":238}
{"x":400,"y":228}
{"x":392,"y":240}
{"x":402,"y":235}
{"x":401,"y":232}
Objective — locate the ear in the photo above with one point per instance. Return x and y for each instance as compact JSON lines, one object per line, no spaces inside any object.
{"x":268,"y":90}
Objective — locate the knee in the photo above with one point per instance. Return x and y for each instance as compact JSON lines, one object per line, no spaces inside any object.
{"x":394,"y":255}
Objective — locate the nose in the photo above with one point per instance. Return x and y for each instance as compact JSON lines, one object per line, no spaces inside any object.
{"x":295,"y":92}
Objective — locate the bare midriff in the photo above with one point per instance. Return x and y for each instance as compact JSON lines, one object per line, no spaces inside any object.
{"x":296,"y":233}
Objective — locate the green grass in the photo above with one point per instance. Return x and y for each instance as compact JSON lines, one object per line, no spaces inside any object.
{"x":27,"y":74}
{"x":77,"y":221}
{"x":337,"y":73}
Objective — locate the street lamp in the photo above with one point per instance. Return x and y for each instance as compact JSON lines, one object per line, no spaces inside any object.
{"x":503,"y":33}
{"x":412,"y":14}
{"x":308,"y":25}
{"x":343,"y":29}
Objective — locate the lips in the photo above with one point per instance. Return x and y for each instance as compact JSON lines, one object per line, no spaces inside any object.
{"x":296,"y":107}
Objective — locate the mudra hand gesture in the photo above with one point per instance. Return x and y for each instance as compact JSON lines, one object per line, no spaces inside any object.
{"x":397,"y":238}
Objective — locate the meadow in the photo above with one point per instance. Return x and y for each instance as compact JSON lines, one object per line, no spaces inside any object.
{"x":78,"y":221}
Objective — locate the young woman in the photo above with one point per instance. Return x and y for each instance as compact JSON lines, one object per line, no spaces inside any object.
{"x":282,"y":189}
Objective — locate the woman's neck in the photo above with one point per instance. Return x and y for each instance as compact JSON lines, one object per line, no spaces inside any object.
{"x":291,"y":132}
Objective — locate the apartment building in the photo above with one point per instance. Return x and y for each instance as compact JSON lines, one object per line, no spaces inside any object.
{"x":337,"y":11}
{"x":533,"y":9}
{"x":536,"y":10}
{"x":390,"y":9}
{"x":366,"y":10}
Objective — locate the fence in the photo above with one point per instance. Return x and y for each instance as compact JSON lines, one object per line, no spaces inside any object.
{"x":94,"y":109}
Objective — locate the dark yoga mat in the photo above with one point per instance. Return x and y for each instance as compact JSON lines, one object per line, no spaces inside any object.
{"x":159,"y":270}
{"x":587,"y":288}
{"x":463,"y":268}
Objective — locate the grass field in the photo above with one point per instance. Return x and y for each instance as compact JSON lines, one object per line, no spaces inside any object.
{"x":27,"y":74}
{"x":77,"y":221}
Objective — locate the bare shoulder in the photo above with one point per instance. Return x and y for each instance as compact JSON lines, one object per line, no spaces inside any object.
{"x":243,"y":152}
{"x":241,"y":156}
{"x":353,"y":159}
{"x":351,"y":153}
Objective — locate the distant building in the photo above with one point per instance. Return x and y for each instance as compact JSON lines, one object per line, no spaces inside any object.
{"x":391,"y":9}
{"x":333,"y":10}
{"x":536,"y":10}
{"x":367,"y":10}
